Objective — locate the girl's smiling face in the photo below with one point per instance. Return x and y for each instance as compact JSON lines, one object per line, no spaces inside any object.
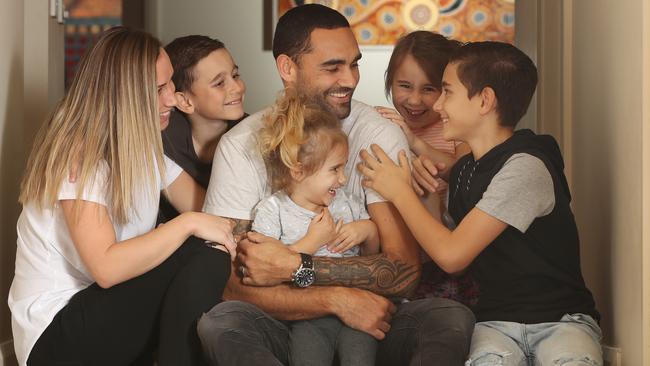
{"x":316,"y":191}
{"x":414,"y":95}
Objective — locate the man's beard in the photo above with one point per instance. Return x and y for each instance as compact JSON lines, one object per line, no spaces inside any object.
{"x":341,"y":111}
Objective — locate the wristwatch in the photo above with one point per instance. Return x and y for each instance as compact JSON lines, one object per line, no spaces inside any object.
{"x":304,"y":275}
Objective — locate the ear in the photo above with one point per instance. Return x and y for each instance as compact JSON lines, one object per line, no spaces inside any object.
{"x":184,"y":103}
{"x":286,"y":68}
{"x":488,"y":100}
{"x":297,"y":173}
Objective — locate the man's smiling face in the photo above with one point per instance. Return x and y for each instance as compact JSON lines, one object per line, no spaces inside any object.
{"x":329,"y":71}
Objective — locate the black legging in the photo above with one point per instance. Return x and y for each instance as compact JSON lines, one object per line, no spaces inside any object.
{"x":123,"y":324}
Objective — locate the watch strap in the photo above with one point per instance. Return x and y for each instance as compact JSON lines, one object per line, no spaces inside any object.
{"x":306,"y":261}
{"x":304,"y":275}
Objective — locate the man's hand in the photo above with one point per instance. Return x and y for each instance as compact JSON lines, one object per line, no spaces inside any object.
{"x":363,"y":310}
{"x":266,"y":261}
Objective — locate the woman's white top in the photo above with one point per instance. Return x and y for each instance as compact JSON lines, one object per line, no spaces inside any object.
{"x":49,"y":270}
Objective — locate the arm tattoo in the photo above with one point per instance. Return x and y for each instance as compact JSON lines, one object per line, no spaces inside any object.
{"x":241,"y":226}
{"x":376,"y":273}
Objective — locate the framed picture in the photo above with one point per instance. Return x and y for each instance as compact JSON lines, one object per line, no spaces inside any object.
{"x":382,"y":22}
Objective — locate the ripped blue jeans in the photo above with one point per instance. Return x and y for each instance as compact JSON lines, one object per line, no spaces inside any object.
{"x":573,"y":341}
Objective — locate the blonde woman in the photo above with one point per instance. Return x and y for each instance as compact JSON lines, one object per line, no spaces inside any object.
{"x":96,"y":282}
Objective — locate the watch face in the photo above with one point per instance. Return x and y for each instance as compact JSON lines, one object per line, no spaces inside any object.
{"x":304,"y":277}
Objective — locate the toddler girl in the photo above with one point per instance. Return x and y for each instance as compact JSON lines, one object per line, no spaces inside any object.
{"x":305,"y":152}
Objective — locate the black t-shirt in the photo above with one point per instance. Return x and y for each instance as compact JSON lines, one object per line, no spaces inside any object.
{"x":178,"y":146}
{"x":525,"y":277}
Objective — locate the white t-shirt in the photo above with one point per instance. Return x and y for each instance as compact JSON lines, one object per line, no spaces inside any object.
{"x":49,"y":270}
{"x":239,"y":180}
{"x":279,"y":217}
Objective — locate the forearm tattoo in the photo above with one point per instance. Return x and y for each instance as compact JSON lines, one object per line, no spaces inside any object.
{"x":376,"y":273}
{"x":241,"y":226}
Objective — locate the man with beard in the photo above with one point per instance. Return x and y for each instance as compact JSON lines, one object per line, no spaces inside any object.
{"x":316,"y":53}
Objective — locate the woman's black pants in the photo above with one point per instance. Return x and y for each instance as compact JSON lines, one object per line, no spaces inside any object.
{"x":124,"y":324}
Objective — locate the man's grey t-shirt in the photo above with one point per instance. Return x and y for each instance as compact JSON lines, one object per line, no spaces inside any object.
{"x":520,"y":192}
{"x":279,"y":217}
{"x":239,"y":180}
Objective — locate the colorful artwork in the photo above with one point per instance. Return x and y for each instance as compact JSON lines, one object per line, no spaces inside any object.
{"x":382,"y":22}
{"x":85,"y":21}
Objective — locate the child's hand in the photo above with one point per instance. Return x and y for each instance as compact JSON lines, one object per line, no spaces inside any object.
{"x":394,"y":116}
{"x":383,"y":175}
{"x":425,"y":173}
{"x":322,"y":229}
{"x":351,"y":235}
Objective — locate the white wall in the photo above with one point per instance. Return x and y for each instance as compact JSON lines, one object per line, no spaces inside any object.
{"x":645,"y":162}
{"x":239,"y":25}
{"x":608,"y":105}
{"x":11,"y":153}
{"x":527,"y":39}
{"x":31,"y":81}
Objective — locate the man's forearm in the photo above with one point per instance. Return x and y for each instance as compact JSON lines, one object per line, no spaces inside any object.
{"x":358,"y":309}
{"x":241,"y":226}
{"x":283,"y":302}
{"x":394,"y":273}
{"x":376,"y":273}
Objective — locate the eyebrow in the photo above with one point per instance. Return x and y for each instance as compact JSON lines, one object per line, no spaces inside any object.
{"x":234,"y":68}
{"x":339,"y":61}
{"x":217,"y":77}
{"x":425,"y":85}
{"x":445,"y":84}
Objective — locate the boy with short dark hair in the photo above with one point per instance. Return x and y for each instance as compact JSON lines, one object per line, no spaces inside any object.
{"x":510,"y":201}
{"x":210,"y":96}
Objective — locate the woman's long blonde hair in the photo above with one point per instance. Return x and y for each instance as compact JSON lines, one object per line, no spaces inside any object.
{"x":298,"y":134}
{"x":109,"y":116}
